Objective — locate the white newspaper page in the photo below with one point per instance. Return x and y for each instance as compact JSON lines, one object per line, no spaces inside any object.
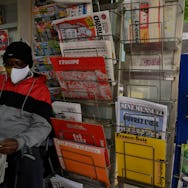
{"x":91,"y":49}
{"x":67,"y":110}
{"x":142,"y":118}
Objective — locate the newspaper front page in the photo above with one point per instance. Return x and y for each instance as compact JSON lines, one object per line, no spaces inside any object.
{"x":140,"y":117}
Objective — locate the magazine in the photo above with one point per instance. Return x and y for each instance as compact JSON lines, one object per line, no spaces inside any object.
{"x":67,"y":110}
{"x":141,"y":159}
{"x":91,"y":49}
{"x":55,"y":93}
{"x":143,"y":21}
{"x":170,"y":17}
{"x":87,"y":133}
{"x":46,"y":48}
{"x":142,"y":118}
{"x":82,"y":77}
{"x":4,"y":39}
{"x":42,"y":65}
{"x":48,"y":10}
{"x":83,"y":159}
{"x":43,"y":16}
{"x":67,"y":9}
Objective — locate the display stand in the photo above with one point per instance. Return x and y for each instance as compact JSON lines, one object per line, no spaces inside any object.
{"x":94,"y":108}
{"x":149,"y":68}
{"x":146,"y":67}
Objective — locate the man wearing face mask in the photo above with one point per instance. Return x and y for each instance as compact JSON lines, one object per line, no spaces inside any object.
{"x":25,"y":110}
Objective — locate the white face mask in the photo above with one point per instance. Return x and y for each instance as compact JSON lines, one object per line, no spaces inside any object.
{"x":19,"y":74}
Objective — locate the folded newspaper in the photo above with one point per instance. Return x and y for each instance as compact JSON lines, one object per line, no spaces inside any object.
{"x":67,"y":110}
{"x":3,"y":165}
{"x":59,"y":182}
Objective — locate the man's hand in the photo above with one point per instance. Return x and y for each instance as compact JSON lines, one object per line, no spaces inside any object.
{"x":8,"y":146}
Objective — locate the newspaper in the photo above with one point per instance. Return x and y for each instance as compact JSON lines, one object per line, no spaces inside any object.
{"x":3,"y":165}
{"x":72,"y":1}
{"x":91,"y":49}
{"x":83,"y":159}
{"x":95,"y":26}
{"x":59,"y":182}
{"x":86,"y":27}
{"x":87,"y":133}
{"x":67,"y":110}
{"x":170,"y":19}
{"x":140,"y":117}
{"x":144,"y":158}
{"x":82,"y":77}
{"x":4,"y":39}
{"x":143,"y":21}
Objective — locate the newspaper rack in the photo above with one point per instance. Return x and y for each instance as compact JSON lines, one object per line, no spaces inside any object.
{"x":91,"y":110}
{"x":145,"y":73}
{"x":89,"y":95}
{"x":149,"y":64}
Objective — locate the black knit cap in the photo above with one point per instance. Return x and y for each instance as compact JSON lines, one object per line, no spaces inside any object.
{"x":19,"y":50}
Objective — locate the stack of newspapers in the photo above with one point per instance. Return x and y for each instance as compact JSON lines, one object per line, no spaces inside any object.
{"x":3,"y":165}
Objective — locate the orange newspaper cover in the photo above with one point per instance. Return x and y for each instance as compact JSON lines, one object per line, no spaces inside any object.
{"x":82,"y":77}
{"x":83,"y":159}
{"x":86,"y":133}
{"x":141,"y":159}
